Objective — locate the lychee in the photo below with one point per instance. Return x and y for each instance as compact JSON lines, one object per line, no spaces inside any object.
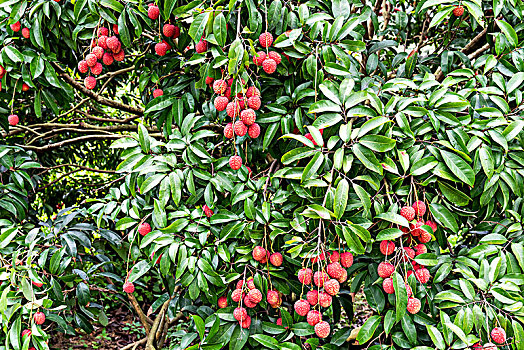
{"x":324,"y":299}
{"x":221,"y":103}
{"x":334,"y":270}
{"x":15,"y":27}
{"x":97,"y":69}
{"x":107,"y":59}
{"x":161,"y":49}
{"x":313,"y":317}
{"x":422,"y":275}
{"x":458,"y":11}
{"x":424,"y":236}
{"x":248,"y":116}
{"x":237,"y":295}
{"x":259,"y":57}
{"x":498,"y":335}
{"x":25,"y":33}
{"x":168,"y":30}
{"x":385,"y":269}
{"x":115,"y":29}
{"x":219,"y":86}
{"x":153,"y":12}
{"x":259,"y":253}
{"x":305,"y":275}
{"x":207,"y":210}
{"x":332,"y":287}
{"x":144,"y":228}
{"x":90,"y":83}
{"x":255,"y":296}
{"x":420,"y":249}
{"x":322,"y":329}
{"x":320,"y":277}
{"x":312,"y":297}
{"x":228,"y":131}
{"x":240,"y":314}
{"x":240,"y":128}
{"x":201,"y":46}
{"x":129,"y":287}
{"x":13,"y":119}
{"x":343,"y":276}
{"x":408,"y":213}
{"x":410,"y":253}
{"x":157,"y":93}
{"x":254,"y":131}
{"x":235,"y":162}
{"x":246,"y":323}
{"x":432,"y":224}
{"x":252,"y":91}
{"x":387,"y":247}
{"x":420,"y":208}
{"x":119,"y":56}
{"x":416,"y":228}
{"x":113,"y":43}
{"x":91,"y":59}
{"x":222,"y":302}
{"x":413,"y":306}
{"x":272,"y":297}
{"x":26,"y":333}
{"x":387,"y":285}
{"x":269,"y":65}
{"x":265,"y":39}
{"x":409,"y":292}
{"x":233,"y":109}
{"x":102,"y":31}
{"x":346,"y":259}
{"x":98,"y":52}
{"x":102,"y":42}
{"x":334,"y":256}
{"x":276,"y":259}
{"x":275,"y":56}
{"x":302,"y":307}
{"x":39,"y":318}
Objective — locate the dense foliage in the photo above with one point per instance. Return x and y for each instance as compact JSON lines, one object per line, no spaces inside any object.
{"x":177,"y":157}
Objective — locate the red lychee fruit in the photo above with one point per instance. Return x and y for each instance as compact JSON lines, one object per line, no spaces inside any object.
{"x":302,"y":307}
{"x":161,"y":49}
{"x":321,"y":257}
{"x":207,"y":210}
{"x":413,"y":305}
{"x":25,"y":87}
{"x":144,"y":228}
{"x":98,"y":52}
{"x":498,"y":335}
{"x":219,"y":86}
{"x":13,"y":119}
{"x":387,"y":247}
{"x":254,"y":131}
{"x":313,"y":317}
{"x":385,"y":269}
{"x":102,"y":31}
{"x":252,"y":91}
{"x":153,"y":12}
{"x":432,"y":224}
{"x":119,"y":56}
{"x":248,"y":116}
{"x":39,"y":318}
{"x":129,"y":287}
{"x":221,"y":103}
{"x":176,"y":33}
{"x":334,"y":270}
{"x":246,"y":323}
{"x":97,"y":69}
{"x":26,"y":33}
{"x":201,"y":46}
{"x":276,"y":259}
{"x":233,"y":109}
{"x":319,"y":278}
{"x":222,"y":302}
{"x":408,"y":213}
{"x":240,"y":314}
{"x":458,"y":11}
{"x":324,"y":299}
{"x":343,"y":277}
{"x":235,"y":162}
{"x":489,"y":346}
{"x":26,"y":332}
{"x":275,"y":56}
{"x":272,"y":297}
{"x":255,"y":296}
{"x":248,"y":303}
{"x":269,"y":65}
{"x":259,"y":253}
{"x":157,"y":93}
{"x":115,"y":29}
{"x":346,"y":259}
{"x":259,"y":58}
{"x":240,"y":128}
{"x":237,"y":295}
{"x":102,"y":42}
{"x":422,"y":275}
{"x":254,"y":103}
{"x":228,"y":131}
{"x":424,"y":236}
{"x":334,"y":256}
{"x":91,"y":60}
{"x":409,"y":292}
{"x":209,"y":80}
{"x":312,"y":297}
{"x":416,"y":228}
{"x":107,"y":59}
{"x":265,"y":39}
{"x":113,"y":43}
{"x":15,"y":27}
{"x":90,"y":83}
{"x":250,"y":283}
{"x":332,"y":287}
{"x":409,"y":252}
{"x":420,"y":249}
{"x":420,"y":208}
{"x":168,"y":30}
{"x":305,"y":275}
{"x":37,"y":284}
{"x":322,"y":329}
{"x":387,"y":284}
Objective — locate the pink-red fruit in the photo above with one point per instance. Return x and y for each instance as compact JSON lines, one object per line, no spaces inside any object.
{"x":385,"y":269}
{"x":276,"y":259}
{"x":420,"y":208}
{"x":254,"y":131}
{"x":314,"y":317}
{"x":129,"y":287}
{"x":346,"y":259}
{"x":322,"y":329}
{"x":408,"y":213}
{"x":302,"y":307}
{"x":222,"y":302}
{"x":157,"y":93}
{"x":498,"y":335}
{"x":265,"y":39}
{"x":144,"y":228}
{"x":387,"y":247}
{"x":235,"y":162}
{"x":90,"y":83}
{"x":13,"y":119}
{"x":153,"y":12}
{"x":39,"y":318}
{"x":240,"y":314}
{"x":305,"y":275}
{"x":269,"y":65}
{"x":413,"y":305}
{"x":201,"y":46}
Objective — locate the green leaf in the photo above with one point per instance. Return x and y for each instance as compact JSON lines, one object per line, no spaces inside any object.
{"x":389,"y":234}
{"x":341,"y":198}
{"x":378,"y":143}
{"x":312,"y":167}
{"x":368,"y":329}
{"x":199,"y":324}
{"x":197,"y":27}
{"x":143,"y":136}
{"x":265,"y":340}
{"x":367,"y":157}
{"x":394,"y":218}
{"x":372,"y":124}
{"x":444,"y":217}
{"x":401,"y":296}
{"x":508,"y":31}
{"x":219,"y":29}
{"x":138,"y":270}
{"x":436,"y":337}
{"x":459,"y":167}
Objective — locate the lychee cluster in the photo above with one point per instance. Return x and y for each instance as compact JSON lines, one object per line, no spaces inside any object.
{"x":268,"y":59}
{"x":240,"y":108}
{"x":326,"y":285}
{"x":104,"y":48}
{"x":410,"y":249}
{"x":168,"y":30}
{"x":263,"y":256}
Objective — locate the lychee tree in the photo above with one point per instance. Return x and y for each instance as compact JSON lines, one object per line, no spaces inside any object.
{"x":276,"y":158}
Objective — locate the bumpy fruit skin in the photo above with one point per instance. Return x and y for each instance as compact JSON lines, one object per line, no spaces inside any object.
{"x":115,"y":29}
{"x":314,"y":317}
{"x":259,"y":58}
{"x":413,"y":305}
{"x":312,"y":297}
{"x":161,"y":49}
{"x":222,"y":302}
{"x":332,"y":287}
{"x":129,"y":287}
{"x":416,"y":228}
{"x":334,"y":256}
{"x":237,"y":295}
{"x":201,"y":46}
{"x":26,"y":33}
{"x":387,"y":247}
{"x":259,"y":253}
{"x":90,"y":83}
{"x":107,"y":59}
{"x":248,"y":303}
{"x":424,"y":236}
{"x":168,"y":30}
{"x":207,"y":210}
{"x":420,"y":249}
{"x":324,"y":299}
{"x":26,"y":332}
{"x":98,"y":52}
{"x":97,"y":69}
{"x":233,"y":109}
{"x":119,"y":56}
{"x":246,"y":323}
{"x":458,"y":11}
{"x":176,"y":34}
{"x":275,"y":56}
{"x":408,"y":213}
{"x":248,"y":116}
{"x":113,"y":43}
{"x":254,"y":296}
{"x":385,"y":269}
{"x":250,"y":283}
{"x":240,"y":128}
{"x":13,"y":119}
{"x":346,"y":259}
{"x":409,"y":252}
{"x":153,"y":12}
{"x":420,"y":208}
{"x":302,"y":307}
{"x":322,"y":329}
{"x":219,"y":86}
{"x":498,"y":335}
{"x":15,"y":27}
{"x":265,"y":39}
{"x":144,"y":229}
{"x":252,"y":91}
{"x":39,"y":318}
{"x":254,"y":131}
{"x":102,"y":31}
{"x":157,"y":93}
{"x":387,"y":284}
{"x":334,"y":270}
{"x":319,"y":278}
{"x":422,"y":275}
{"x":91,"y":59}
{"x":235,"y":162}
{"x":272,"y":297}
{"x":221,"y":103}
{"x":343,"y":277}
{"x":228,"y":131}
{"x":254,"y":102}
{"x":276,"y":259}
{"x":240,"y":314}
{"x":209,"y":80}
{"x":102,"y":42}
{"x":305,"y":275}
{"x":269,"y":65}
{"x":432,"y":224}
{"x":409,"y":292}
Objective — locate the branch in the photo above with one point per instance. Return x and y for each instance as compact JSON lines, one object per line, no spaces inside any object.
{"x":141,"y":315}
{"x":70,"y":141}
{"x":75,"y":165}
{"x":95,"y":96}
